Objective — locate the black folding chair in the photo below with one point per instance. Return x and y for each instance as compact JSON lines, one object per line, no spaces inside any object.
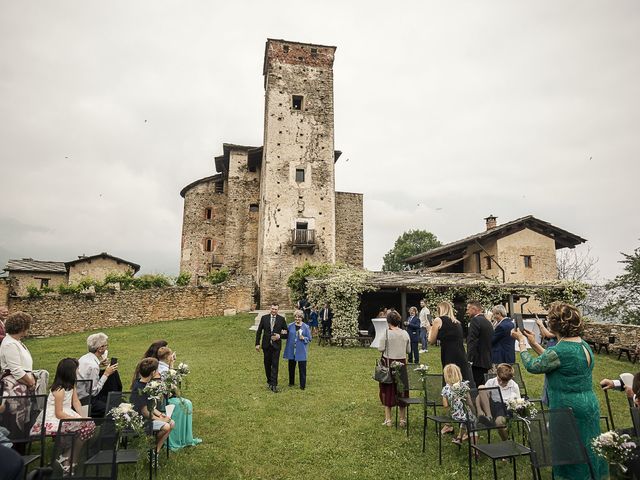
{"x":19,"y":413}
{"x":432,"y":400}
{"x":635,"y":419}
{"x":86,"y":387}
{"x":415,"y":385}
{"x":554,"y":440}
{"x":519,"y":379}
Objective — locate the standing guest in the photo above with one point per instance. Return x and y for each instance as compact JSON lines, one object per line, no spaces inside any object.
{"x":448,"y":330}
{"x":503,"y":348}
{"x":89,"y":369}
{"x":313,"y":320}
{"x":568,"y":367}
{"x":413,"y":329}
{"x":479,"y":341}
{"x":63,"y":403}
{"x":394,"y":349}
{"x":182,"y":435}
{"x":161,"y":423}
{"x":326,"y":320}
{"x":298,"y":337}
{"x":425,"y":324}
{"x":272,"y":329}
{"x":4,"y":313}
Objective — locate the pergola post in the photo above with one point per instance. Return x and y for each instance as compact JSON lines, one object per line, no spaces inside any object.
{"x":403,"y":305}
{"x":511,"y":305}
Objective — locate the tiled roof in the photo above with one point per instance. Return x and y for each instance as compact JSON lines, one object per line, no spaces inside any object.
{"x":562,"y":237}
{"x":85,"y":258}
{"x":31,"y":265}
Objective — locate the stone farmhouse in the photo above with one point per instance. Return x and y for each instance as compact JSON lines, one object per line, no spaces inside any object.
{"x":270,"y":208}
{"x":39,"y":273}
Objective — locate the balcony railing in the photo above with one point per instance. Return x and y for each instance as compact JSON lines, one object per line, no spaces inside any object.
{"x":303,"y":238}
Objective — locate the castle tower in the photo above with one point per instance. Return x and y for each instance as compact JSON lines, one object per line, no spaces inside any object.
{"x":297,"y":182}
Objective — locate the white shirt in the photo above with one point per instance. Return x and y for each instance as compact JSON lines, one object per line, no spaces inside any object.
{"x":163,"y":368}
{"x":89,"y":369}
{"x":424,"y":319}
{"x":510,"y":391}
{"x":14,"y":356}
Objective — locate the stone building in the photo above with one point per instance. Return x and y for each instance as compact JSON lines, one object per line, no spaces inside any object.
{"x":270,"y":208}
{"x":38,"y":273}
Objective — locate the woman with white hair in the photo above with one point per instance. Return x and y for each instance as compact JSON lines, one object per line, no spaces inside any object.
{"x":503,"y":347}
{"x":102,"y":382}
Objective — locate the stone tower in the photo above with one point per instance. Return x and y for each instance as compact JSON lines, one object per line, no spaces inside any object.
{"x":270,"y":208}
{"x":297,"y":184}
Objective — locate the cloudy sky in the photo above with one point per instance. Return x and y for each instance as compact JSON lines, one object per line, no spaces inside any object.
{"x":446,"y":112}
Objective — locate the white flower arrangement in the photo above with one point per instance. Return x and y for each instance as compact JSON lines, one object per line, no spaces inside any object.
{"x":183,"y":369}
{"x":460,"y":390}
{"x":156,"y":390}
{"x":521,"y":408}
{"x":126,"y":418}
{"x":616,"y":448}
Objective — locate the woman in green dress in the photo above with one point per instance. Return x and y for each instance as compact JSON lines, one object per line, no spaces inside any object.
{"x":568,"y":368}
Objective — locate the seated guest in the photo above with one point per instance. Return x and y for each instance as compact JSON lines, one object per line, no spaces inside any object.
{"x":503,"y":347}
{"x":509,"y":390}
{"x":89,"y":369}
{"x":182,"y":434}
{"x":147,"y":369}
{"x":152,"y":352}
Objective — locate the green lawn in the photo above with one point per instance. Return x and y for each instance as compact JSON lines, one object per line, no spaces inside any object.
{"x":332,"y":430}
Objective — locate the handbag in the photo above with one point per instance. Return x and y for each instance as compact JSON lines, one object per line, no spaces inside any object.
{"x":381,"y":372}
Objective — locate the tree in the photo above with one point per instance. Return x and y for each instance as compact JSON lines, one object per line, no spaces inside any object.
{"x":411,"y":242}
{"x":624,"y":290}
{"x":575,"y":264}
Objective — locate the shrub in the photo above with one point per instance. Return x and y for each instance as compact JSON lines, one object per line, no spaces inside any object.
{"x":183,"y":279}
{"x":217,"y":276}
{"x":64,"y":289}
{"x":125,"y":280}
{"x":147,"y":281}
{"x":297,"y":281}
{"x":33,"y":291}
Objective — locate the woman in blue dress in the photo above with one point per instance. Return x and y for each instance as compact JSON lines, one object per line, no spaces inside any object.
{"x":299,"y":336}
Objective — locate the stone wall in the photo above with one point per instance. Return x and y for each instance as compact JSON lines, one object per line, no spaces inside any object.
{"x":349,"y":229}
{"x":626,"y":336}
{"x":4,"y":292}
{"x":61,"y":314}
{"x":96,"y":268}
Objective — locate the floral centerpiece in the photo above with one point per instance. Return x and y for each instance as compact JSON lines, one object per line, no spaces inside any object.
{"x":460,"y":390}
{"x":156,"y":391}
{"x":523,"y":410}
{"x":127,"y":419}
{"x":617,"y":449}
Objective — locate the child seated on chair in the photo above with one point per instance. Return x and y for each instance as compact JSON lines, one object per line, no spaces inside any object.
{"x":488,"y":402}
{"x":459,"y":406}
{"x":161,"y":423}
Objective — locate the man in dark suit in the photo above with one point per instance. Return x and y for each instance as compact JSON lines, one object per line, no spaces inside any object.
{"x":272,"y":329}
{"x":326,"y":320}
{"x":503,"y":347}
{"x":479,"y":341}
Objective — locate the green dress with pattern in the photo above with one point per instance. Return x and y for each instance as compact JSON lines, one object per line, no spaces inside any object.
{"x":570,"y":385}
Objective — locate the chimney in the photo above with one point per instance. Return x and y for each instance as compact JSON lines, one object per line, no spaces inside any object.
{"x":491,"y":222}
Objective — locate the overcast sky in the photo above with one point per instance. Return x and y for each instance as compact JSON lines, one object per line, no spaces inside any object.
{"x":446,"y":112}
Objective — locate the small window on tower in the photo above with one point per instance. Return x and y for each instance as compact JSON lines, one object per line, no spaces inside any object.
{"x":314,"y":51}
{"x":297,"y":102}
{"x":208,"y":245}
{"x":285,"y":48}
{"x":219,"y":187}
{"x":208,"y":213}
{"x":302,"y":225}
{"x":253,"y":207}
{"x":300,"y":175}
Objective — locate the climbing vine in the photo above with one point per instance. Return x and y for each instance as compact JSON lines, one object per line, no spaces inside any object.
{"x":341,"y":289}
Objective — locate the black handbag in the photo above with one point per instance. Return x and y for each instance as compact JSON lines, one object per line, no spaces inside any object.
{"x":381,"y":372}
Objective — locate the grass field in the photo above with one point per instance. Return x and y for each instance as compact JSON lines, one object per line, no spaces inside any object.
{"x":331,"y":430}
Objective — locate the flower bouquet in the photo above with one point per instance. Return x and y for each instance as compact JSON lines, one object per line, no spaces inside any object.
{"x":521,"y":409}
{"x":183,"y":369}
{"x":617,"y":449}
{"x":396,"y":370}
{"x":460,"y":390}
{"x":127,"y":419}
{"x":156,"y":391}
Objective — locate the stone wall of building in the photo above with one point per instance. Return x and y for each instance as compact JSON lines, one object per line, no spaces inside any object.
{"x":96,"y":268}
{"x":196,"y":228}
{"x":4,"y":292}
{"x":542,"y":249}
{"x":21,"y":280}
{"x":349,"y":229}
{"x":241,"y":225}
{"x":298,"y":135}
{"x":61,"y":314}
